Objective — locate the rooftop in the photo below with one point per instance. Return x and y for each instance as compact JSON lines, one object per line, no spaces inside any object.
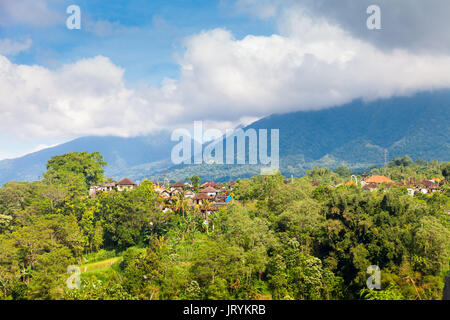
{"x":379,"y":180}
{"x":126,"y":182}
{"x":202,"y":196}
{"x":209,"y":190}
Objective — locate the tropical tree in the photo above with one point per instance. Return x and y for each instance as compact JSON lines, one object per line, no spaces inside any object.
{"x":80,"y":168}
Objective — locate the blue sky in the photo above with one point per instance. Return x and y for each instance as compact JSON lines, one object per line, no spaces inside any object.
{"x":139,"y":66}
{"x":144,"y":37}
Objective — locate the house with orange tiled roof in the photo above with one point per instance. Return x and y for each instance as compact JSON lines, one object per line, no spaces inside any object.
{"x":378,"y":180}
{"x":350,"y":183}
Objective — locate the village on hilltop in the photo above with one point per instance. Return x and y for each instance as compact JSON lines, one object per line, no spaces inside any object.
{"x":212,"y":196}
{"x":373,"y":183}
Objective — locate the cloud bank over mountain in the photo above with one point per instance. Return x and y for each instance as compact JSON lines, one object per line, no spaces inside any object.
{"x":313,"y":62}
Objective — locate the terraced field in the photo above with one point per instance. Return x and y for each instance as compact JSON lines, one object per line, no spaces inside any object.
{"x":99,"y":265}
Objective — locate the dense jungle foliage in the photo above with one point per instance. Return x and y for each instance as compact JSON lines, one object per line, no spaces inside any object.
{"x":276,"y":239}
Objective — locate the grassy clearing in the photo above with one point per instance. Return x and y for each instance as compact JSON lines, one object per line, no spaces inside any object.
{"x":101,"y":255}
{"x":100,"y":265}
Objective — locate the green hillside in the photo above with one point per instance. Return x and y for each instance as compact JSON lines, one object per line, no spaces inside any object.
{"x":355,"y":135}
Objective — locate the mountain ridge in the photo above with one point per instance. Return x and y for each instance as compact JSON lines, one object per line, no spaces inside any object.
{"x":355,"y":134}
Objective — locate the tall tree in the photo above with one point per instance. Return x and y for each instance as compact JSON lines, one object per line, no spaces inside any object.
{"x":89,"y":166}
{"x":446,"y":170}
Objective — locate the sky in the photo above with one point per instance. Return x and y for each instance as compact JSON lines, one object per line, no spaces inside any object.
{"x":139,"y":66}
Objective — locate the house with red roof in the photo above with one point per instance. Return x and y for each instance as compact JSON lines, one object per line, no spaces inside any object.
{"x":210,"y":184}
{"x":200,"y":198}
{"x":210,"y":191}
{"x":178,"y":186}
{"x":126,"y":184}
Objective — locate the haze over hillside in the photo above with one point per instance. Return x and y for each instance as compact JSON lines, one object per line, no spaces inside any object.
{"x":355,"y":135}
{"x":122,"y":155}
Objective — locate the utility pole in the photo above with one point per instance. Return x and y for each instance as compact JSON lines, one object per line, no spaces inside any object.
{"x":385,"y":158}
{"x":165,"y":181}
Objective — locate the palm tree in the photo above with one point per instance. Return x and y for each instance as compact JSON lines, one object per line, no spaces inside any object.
{"x":207,"y":206}
{"x":26,"y":274}
{"x":180,"y":204}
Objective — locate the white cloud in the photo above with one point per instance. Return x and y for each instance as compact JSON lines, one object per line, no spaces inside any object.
{"x":17,"y":154}
{"x":28,"y":12}
{"x":87,"y":97}
{"x":42,"y":147}
{"x":9,"y":47}
{"x":310,"y":64}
